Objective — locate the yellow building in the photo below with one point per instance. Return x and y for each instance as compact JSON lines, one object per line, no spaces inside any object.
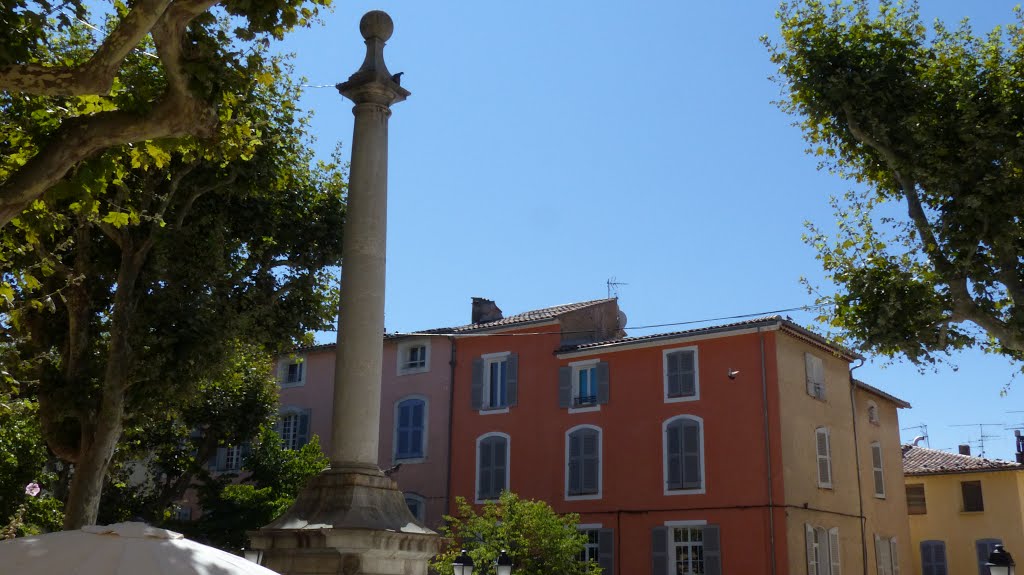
{"x":960,"y":506}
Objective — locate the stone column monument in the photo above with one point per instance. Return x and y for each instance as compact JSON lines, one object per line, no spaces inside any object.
{"x":352,"y":519}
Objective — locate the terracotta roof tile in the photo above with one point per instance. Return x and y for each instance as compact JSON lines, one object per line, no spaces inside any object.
{"x":924,"y":461}
{"x":533,"y":316}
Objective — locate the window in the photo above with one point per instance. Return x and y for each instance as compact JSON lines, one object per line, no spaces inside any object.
{"x":229,"y":458}
{"x":492,"y":466}
{"x":984,"y":547}
{"x":410,"y":428}
{"x":583,"y":385}
{"x":687,"y":548}
{"x":182,"y":512}
{"x":680,"y":368}
{"x":495,"y":381}
{"x":293,"y":427}
{"x":291,"y":371}
{"x":822,"y":550}
{"x":599,"y":547}
{"x":872,"y":412}
{"x":933,"y":558}
{"x":916,"y":504}
{"x":971,"y":491}
{"x":876,"y":467}
{"x":684,"y":455}
{"x":583,"y":462}
{"x":413,"y":357}
{"x":824,"y":449}
{"x":417,"y":505}
{"x":815,"y":372}
{"x":887,"y":556}
{"x":233,"y":458}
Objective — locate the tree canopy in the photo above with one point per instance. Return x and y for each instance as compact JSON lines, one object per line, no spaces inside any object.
{"x":927,"y":122}
{"x":538,"y":540}
{"x":198,"y":46}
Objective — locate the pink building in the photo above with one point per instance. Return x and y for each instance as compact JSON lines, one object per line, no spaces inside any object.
{"x":415,"y":400}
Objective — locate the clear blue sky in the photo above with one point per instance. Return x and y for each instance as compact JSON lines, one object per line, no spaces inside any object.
{"x":549,"y":146}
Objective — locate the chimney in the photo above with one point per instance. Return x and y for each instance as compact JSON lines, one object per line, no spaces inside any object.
{"x":965,"y":449}
{"x":485,"y":310}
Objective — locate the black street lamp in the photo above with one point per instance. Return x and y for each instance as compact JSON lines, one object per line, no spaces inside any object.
{"x":1000,"y":562}
{"x":463,"y":564}
{"x":504,"y":564}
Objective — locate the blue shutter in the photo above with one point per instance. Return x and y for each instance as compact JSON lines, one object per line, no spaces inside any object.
{"x":512,"y":390}
{"x":713,"y":550}
{"x":606,"y":551}
{"x":575,"y":468}
{"x":659,"y":551}
{"x":485,"y":470}
{"x":984,"y":548}
{"x":565,"y":387}
{"x":602,"y":382}
{"x":674,"y":454}
{"x":691,"y":454}
{"x":933,"y":558}
{"x":303,"y":435}
{"x":476,"y":393}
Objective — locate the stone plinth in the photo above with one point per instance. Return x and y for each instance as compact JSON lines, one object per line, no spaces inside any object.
{"x":347,"y":522}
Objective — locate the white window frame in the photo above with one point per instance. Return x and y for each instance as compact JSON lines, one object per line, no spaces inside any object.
{"x":421,"y":502}
{"x":664,"y":458}
{"x":873,"y":416}
{"x":508,"y":464}
{"x":423,"y":439}
{"x":828,"y":457}
{"x":892,"y":549}
{"x":880,"y":469}
{"x":577,"y":367}
{"x":293,"y":411}
{"x":586,"y":527}
{"x":821,"y":546}
{"x":696,"y":374}
{"x":233,"y":452}
{"x":600,"y":464}
{"x":288,"y":361}
{"x":820,"y":393}
{"x":670,"y":535}
{"x":490,"y":359}
{"x":403,"y":350}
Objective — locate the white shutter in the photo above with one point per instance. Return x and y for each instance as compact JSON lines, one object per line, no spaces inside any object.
{"x":824,"y":452}
{"x":812,"y":560}
{"x":876,"y":466}
{"x":282,"y":369}
{"x":883,"y":556}
{"x":894,"y":554}
{"x":809,"y":374}
{"x":833,"y":550}
{"x":814,"y":370}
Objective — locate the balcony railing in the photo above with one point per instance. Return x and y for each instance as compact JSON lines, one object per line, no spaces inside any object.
{"x":582,"y":400}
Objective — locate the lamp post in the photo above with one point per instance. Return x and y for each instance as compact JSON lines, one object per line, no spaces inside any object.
{"x":1000,"y":562}
{"x":504,"y":564}
{"x":463,"y":564}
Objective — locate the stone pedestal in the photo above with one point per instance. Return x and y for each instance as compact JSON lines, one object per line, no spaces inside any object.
{"x":351,"y":519}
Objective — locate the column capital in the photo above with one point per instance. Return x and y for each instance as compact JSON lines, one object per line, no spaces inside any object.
{"x":373,"y":83}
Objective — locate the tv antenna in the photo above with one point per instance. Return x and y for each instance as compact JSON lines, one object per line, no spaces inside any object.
{"x":980,"y":442}
{"x":922,"y":430}
{"x":613,"y":287}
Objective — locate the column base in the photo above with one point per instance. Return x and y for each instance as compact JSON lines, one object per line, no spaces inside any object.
{"x":347,"y":521}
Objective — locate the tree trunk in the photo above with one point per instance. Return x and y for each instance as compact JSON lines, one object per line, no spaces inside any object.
{"x":100,"y":436}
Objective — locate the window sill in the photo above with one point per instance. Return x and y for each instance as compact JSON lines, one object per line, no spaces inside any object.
{"x":825,"y":486}
{"x":979,"y":512}
{"x":585,"y":409}
{"x":684,"y":491}
{"x":882,"y":497}
{"x":413,"y":370}
{"x":583,"y":497}
{"x":288,"y":384}
{"x":482,"y":501}
{"x":410,"y":460}
{"x":682,"y":399}
{"x":493,"y":411}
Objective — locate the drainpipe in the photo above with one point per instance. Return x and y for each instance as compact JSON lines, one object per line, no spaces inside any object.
{"x":856,"y":455}
{"x":768,"y":452}
{"x":451,"y":406}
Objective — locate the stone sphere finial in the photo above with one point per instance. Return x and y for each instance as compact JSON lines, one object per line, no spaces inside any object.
{"x":376,"y":24}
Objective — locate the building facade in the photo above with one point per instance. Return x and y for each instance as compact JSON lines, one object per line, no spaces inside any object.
{"x":960,"y":507}
{"x":744,"y":448}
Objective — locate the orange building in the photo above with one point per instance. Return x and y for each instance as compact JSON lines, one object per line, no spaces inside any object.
{"x":743,"y":448}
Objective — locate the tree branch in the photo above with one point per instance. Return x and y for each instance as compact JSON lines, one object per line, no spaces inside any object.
{"x":95,"y":76}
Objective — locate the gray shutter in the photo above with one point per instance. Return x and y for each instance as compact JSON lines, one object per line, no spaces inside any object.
{"x":485,"y":469}
{"x":880,"y":558}
{"x":674,"y":449}
{"x":282,"y":369}
{"x":591,"y":465}
{"x":246,"y":451}
{"x":602,"y":382}
{"x":713,"y":550}
{"x":500,"y":458}
{"x":575,"y":463}
{"x":688,"y":373}
{"x":812,"y":559}
{"x":303,"y":435}
{"x":691,"y":454}
{"x":476,"y":394}
{"x":221,"y":459}
{"x":674,"y":375}
{"x":659,"y":551}
{"x":606,"y":551}
{"x":565,"y":387}
{"x":513,"y":379}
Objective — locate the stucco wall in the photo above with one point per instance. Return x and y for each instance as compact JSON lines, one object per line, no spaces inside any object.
{"x":945,"y":521}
